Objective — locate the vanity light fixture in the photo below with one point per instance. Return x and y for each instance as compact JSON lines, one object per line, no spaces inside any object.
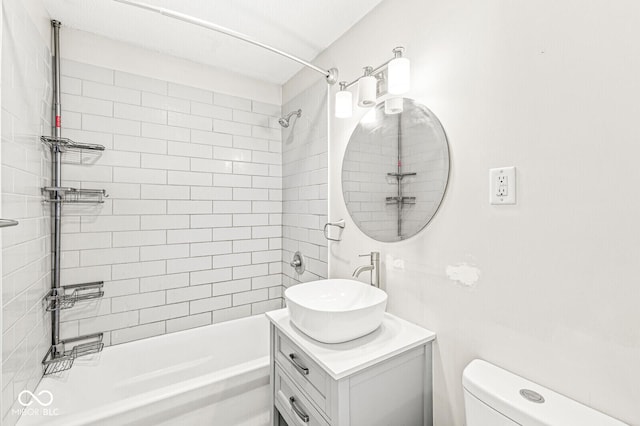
{"x":393,"y":77}
{"x":344,"y":101}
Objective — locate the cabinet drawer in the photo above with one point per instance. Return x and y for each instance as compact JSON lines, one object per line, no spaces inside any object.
{"x":309,"y":377}
{"x":293,"y":404}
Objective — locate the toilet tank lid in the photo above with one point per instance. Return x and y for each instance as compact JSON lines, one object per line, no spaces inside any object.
{"x":500,"y":390}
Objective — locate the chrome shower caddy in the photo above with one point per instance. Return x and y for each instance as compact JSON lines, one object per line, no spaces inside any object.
{"x":62,"y":353}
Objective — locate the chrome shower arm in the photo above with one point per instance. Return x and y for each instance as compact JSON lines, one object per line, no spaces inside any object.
{"x":292,"y":113}
{"x":331,"y":75}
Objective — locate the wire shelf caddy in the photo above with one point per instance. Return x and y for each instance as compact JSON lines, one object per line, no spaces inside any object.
{"x":58,"y":359}
{"x":64,"y":144}
{"x":69,"y":195}
{"x":66,"y":297}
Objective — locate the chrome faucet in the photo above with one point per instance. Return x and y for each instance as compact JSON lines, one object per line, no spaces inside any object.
{"x":374,"y":267}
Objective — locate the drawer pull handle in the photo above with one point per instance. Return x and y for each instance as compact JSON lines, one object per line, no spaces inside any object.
{"x":301,"y":368}
{"x":304,"y":417}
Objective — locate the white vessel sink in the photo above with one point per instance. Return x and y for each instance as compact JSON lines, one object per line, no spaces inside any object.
{"x":336,"y":310}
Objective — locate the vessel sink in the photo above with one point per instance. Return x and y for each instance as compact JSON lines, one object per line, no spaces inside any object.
{"x":336,"y":310}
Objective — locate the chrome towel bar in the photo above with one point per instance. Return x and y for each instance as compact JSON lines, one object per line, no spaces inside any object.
{"x":339,"y":224}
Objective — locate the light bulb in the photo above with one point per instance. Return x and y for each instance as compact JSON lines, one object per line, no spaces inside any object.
{"x":393,"y":106}
{"x":399,"y":73}
{"x":344,"y":102}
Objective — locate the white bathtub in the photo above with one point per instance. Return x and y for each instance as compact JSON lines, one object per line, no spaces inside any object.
{"x":213,"y":375}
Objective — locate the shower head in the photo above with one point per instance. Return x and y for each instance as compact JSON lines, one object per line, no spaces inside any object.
{"x":284,"y":121}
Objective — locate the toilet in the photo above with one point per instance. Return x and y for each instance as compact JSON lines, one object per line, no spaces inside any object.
{"x":496,"y":397}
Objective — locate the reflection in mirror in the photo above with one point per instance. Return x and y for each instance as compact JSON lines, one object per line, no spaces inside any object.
{"x":395,"y":171}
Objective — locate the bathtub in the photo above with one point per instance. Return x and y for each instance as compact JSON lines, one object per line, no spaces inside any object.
{"x":213,"y":375}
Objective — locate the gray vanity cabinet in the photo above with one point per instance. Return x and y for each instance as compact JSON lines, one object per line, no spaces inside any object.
{"x":357,"y":383}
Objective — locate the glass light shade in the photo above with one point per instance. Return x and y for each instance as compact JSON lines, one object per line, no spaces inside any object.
{"x":393,"y":105}
{"x":399,"y":76}
{"x":367,"y":91}
{"x":344,"y":104}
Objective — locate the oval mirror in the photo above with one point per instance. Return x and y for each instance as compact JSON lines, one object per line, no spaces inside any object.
{"x":395,"y":171}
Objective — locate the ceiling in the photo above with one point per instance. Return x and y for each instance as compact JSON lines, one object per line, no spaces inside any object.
{"x":301,"y":27}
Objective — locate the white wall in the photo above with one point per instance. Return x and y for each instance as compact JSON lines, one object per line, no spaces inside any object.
{"x":551,"y":88}
{"x":26,"y":106}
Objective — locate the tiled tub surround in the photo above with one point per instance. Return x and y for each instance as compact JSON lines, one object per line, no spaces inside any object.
{"x":191,"y":231}
{"x":26,"y":100}
{"x":305,"y":184}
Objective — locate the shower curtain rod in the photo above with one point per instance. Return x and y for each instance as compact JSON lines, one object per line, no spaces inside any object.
{"x":331,"y":75}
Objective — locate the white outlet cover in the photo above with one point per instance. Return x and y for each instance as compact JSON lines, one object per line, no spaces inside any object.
{"x":502,"y":185}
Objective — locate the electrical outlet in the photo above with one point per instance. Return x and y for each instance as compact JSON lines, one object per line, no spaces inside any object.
{"x":502,"y":185}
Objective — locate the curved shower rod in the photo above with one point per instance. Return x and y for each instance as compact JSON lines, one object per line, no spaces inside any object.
{"x":331,"y":75}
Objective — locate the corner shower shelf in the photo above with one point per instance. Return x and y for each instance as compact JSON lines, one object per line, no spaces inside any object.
{"x":70,"y":195}
{"x":58,"y":359}
{"x":64,"y":144}
{"x":66,"y":296}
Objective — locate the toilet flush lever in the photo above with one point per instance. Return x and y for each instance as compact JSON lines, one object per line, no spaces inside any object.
{"x":531,"y":395}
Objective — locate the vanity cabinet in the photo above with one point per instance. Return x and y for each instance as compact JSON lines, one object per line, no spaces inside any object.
{"x":384,"y":378}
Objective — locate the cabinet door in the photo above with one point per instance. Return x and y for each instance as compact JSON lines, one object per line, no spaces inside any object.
{"x":393,"y":392}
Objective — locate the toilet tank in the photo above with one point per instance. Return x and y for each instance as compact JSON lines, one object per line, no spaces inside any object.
{"x":496,"y":397}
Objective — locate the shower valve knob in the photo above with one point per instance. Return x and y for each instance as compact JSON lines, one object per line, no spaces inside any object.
{"x":298,"y":262}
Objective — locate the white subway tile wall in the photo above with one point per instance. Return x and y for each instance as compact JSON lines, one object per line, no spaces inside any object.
{"x":191,"y":233}
{"x":26,"y":261}
{"x":304,"y":181}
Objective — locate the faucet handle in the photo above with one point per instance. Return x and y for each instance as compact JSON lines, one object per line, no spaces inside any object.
{"x":374,"y":255}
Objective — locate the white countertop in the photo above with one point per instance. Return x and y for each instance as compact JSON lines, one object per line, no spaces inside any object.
{"x":393,"y":337}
